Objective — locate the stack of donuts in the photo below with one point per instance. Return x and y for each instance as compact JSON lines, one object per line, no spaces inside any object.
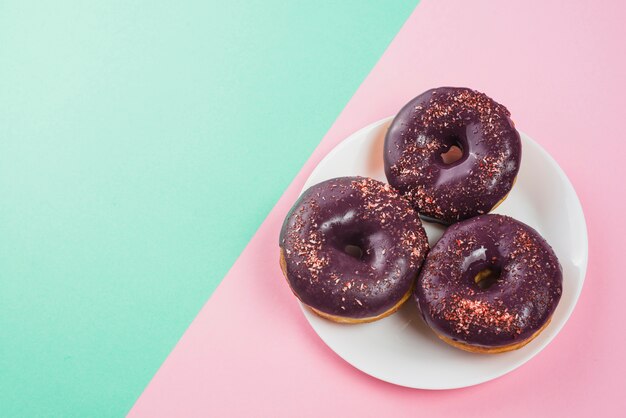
{"x":354,"y":250}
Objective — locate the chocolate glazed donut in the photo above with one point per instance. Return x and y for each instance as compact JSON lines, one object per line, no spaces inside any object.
{"x":428,"y":130}
{"x":489,"y":285}
{"x":351,"y":248}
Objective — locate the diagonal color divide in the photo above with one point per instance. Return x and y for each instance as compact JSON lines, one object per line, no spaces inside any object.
{"x":556,"y":66}
{"x":126,"y":171}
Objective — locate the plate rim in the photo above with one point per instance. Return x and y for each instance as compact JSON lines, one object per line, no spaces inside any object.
{"x":558,"y":327}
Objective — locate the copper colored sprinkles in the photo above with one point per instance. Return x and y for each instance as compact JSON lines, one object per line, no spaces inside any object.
{"x":463,"y":313}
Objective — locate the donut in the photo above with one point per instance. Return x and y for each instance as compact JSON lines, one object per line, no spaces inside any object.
{"x":489,"y":285}
{"x":453,"y":152}
{"x":351,"y":249}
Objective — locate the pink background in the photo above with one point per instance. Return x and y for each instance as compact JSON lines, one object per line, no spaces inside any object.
{"x":559,"y":67}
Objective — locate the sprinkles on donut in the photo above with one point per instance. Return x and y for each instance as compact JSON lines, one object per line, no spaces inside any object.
{"x":453,"y":152}
{"x":351,"y":249}
{"x":489,"y":285}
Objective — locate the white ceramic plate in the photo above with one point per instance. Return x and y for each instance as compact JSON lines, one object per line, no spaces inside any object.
{"x":401,"y":349}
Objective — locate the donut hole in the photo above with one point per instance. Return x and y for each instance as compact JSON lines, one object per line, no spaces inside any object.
{"x":354,"y":251}
{"x":487,"y":277}
{"x":453,"y":153}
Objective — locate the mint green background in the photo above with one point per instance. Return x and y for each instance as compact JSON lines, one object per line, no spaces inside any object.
{"x":141,"y":145}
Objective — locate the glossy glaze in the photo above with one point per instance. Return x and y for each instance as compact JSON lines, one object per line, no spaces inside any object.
{"x":429,"y":126}
{"x":352,"y":211}
{"x":512,"y":309}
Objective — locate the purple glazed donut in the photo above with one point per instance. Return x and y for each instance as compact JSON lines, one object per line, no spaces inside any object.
{"x":433,"y":126}
{"x":489,"y":285}
{"x":351,"y":248}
